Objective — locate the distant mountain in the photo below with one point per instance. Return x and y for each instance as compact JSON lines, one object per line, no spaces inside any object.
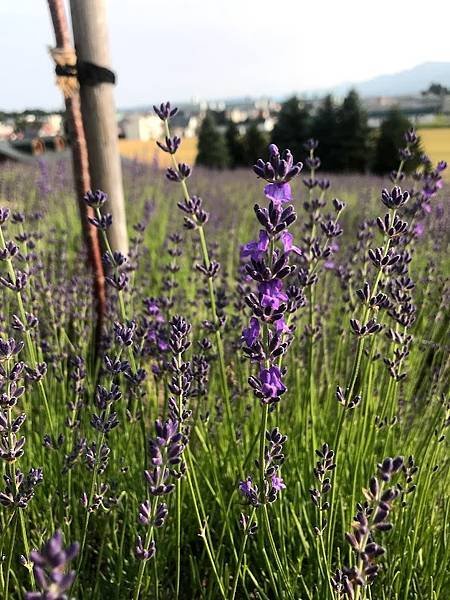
{"x":410,"y":81}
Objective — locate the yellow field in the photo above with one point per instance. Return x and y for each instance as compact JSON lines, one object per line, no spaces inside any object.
{"x":436,"y":143}
{"x":146,"y":151}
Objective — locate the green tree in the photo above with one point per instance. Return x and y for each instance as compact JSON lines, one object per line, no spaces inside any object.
{"x":212,"y":148}
{"x":324,"y":128}
{"x":390,"y":139}
{"x":437,"y":90}
{"x":293,"y":127}
{"x":353,"y":152}
{"x":235,"y":145}
{"x":255,"y":144}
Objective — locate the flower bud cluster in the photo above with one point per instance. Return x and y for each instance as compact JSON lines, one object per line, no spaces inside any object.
{"x":49,"y":566}
{"x":172,"y":436}
{"x":371,"y":519}
{"x":322,"y":472}
{"x":272,"y":481}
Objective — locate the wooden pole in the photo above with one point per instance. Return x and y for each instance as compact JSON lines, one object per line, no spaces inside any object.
{"x":99,"y":114}
{"x":64,"y":49}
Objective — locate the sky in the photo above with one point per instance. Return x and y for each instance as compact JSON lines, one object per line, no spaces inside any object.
{"x":211,"y":49}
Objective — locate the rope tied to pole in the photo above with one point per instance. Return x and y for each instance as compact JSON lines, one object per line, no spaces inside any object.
{"x":70,"y":72}
{"x":66,"y":70}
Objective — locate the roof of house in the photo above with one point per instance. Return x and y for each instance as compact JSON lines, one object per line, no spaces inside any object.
{"x":180,"y":119}
{"x":8,"y":152}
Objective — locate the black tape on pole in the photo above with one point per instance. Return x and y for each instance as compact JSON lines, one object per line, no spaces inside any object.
{"x":87,"y":73}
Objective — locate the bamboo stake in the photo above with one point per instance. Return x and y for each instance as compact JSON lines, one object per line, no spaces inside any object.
{"x":99,"y":114}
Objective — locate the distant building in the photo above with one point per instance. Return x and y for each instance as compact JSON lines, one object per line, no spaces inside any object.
{"x":6,"y":130}
{"x":184,"y":125}
{"x":420,"y":109}
{"x":445,"y":108}
{"x":51,"y":126}
{"x":33,"y":126}
{"x":143,"y":127}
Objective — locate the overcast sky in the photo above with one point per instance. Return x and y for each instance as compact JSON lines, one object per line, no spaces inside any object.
{"x":179,"y":49}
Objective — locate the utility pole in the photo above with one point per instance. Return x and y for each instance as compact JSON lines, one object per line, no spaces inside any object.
{"x":64,"y":57}
{"x":99,"y":111}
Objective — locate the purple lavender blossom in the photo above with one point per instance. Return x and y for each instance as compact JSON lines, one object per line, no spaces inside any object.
{"x":250,"y":491}
{"x":278,"y":483}
{"x":256,"y":249}
{"x":272,"y":295}
{"x":251,"y":333}
{"x":419,"y":230}
{"x":281,"y":326}
{"x":279,"y":193}
{"x":288,"y":245}
{"x":272,"y":385}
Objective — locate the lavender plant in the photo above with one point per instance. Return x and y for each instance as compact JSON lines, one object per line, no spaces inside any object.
{"x":186,"y":453}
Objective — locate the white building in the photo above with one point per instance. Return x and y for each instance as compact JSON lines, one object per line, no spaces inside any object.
{"x":6,"y":130}
{"x":141,"y":127}
{"x":184,"y":125}
{"x":51,"y":125}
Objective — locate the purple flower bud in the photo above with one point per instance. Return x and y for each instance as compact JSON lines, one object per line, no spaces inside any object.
{"x":49,"y":565}
{"x":165,"y":111}
{"x":4,"y":215}
{"x":95,"y":199}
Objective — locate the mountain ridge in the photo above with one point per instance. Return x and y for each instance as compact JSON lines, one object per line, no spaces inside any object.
{"x":408,"y":81}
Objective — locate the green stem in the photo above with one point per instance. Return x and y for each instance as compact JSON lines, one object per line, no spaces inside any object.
{"x":203,"y":534}
{"x":10,"y":555}
{"x":273,"y":547}
{"x":262,"y":443}
{"x":241,"y":554}
{"x":148,"y":539}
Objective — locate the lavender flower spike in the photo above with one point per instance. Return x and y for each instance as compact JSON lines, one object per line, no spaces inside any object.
{"x":49,"y":565}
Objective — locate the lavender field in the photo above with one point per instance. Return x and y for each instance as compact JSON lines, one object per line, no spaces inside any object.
{"x":264,"y":413}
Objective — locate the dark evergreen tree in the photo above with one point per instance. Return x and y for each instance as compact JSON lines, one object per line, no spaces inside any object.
{"x":353,"y":152}
{"x":324,"y":128}
{"x":235,"y":145}
{"x":255,"y":144}
{"x":437,"y":90}
{"x":293,"y":127}
{"x":212,"y":149}
{"x":390,"y":140}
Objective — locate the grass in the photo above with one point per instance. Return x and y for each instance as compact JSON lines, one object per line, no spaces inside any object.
{"x":148,"y":152}
{"x":436,"y":143}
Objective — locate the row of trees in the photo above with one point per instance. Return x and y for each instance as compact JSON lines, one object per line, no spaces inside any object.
{"x":230,"y":149}
{"x":347,"y":144}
